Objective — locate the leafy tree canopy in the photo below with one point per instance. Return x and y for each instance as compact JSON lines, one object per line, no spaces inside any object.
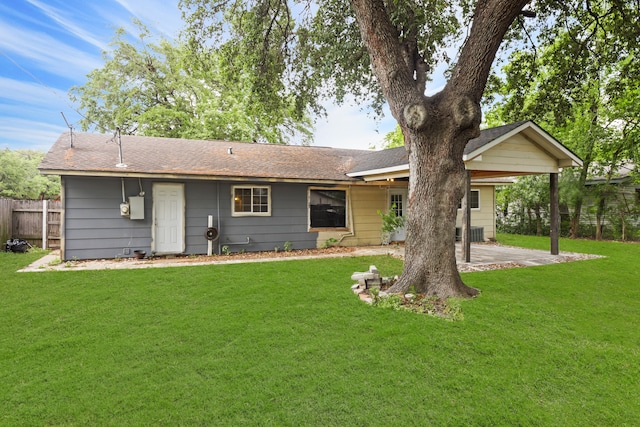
{"x":313,"y":51}
{"x":164,"y":89}
{"x":580,"y":80}
{"x":20,"y":179}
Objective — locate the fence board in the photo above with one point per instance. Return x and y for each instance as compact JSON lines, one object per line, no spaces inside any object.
{"x":5,"y":220}
{"x":22,"y":219}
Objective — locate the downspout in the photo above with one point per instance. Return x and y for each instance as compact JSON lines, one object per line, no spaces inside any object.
{"x":351,"y":224}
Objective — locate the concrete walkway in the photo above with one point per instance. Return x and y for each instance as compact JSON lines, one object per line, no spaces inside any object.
{"x":484,"y":256}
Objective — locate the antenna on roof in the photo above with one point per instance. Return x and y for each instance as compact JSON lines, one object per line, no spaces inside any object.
{"x":120,"y":164}
{"x":70,"y":129}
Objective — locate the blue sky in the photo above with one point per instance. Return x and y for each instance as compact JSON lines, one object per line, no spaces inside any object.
{"x":48,"y":46}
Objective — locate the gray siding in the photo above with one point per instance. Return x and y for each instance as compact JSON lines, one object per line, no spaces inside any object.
{"x":95,"y":229}
{"x":288,"y":221}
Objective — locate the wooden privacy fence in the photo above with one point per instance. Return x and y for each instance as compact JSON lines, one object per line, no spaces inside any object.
{"x":36,"y":221}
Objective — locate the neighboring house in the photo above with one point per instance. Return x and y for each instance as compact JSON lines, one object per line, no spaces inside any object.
{"x":157,"y":194}
{"x":612,"y":201}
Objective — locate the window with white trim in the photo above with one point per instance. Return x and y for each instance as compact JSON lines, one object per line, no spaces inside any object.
{"x":474,"y":200}
{"x":327,"y":208}
{"x":251,"y":200}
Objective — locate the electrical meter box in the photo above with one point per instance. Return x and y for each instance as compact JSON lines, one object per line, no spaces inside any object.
{"x":136,"y":207}
{"x":124,"y":209}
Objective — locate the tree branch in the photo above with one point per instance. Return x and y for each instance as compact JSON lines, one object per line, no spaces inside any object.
{"x":381,"y":39}
{"x":491,"y":21}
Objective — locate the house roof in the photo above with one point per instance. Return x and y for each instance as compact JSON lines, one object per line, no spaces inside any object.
{"x":395,"y":163}
{"x":97,"y":154}
{"x":397,"y":158}
{"x":623,"y":175}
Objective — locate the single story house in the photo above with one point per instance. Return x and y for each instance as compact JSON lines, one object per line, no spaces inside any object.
{"x":612,"y":203}
{"x":178,"y":196}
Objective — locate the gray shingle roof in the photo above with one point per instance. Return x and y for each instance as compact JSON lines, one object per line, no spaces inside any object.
{"x":98,"y":154}
{"x":393,"y":157}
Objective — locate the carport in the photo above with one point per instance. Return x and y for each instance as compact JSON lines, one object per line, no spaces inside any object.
{"x":517,"y":149}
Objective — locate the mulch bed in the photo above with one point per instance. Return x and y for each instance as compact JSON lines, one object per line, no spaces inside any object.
{"x":243,"y":255}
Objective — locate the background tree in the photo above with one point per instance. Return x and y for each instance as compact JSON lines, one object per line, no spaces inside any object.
{"x":164,"y":89}
{"x":523,"y":207}
{"x":579,"y":80}
{"x":378,"y":50}
{"x":20,"y":179}
{"x":392,"y":139}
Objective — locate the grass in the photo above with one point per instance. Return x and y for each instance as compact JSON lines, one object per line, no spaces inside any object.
{"x":288,"y":344}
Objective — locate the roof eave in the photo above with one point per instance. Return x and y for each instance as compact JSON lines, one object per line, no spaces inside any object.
{"x":127,"y":174}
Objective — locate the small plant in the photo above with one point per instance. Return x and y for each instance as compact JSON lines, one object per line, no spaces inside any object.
{"x":276,"y":249}
{"x":375,"y":294}
{"x":55,"y":262}
{"x":330,"y":242}
{"x":453,"y":310}
{"x":241,"y":251}
{"x":225,"y":250}
{"x":390,"y":223}
{"x":287,"y":246}
{"x":393,"y":301}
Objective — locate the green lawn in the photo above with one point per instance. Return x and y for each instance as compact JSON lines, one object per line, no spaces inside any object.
{"x":287,"y":343}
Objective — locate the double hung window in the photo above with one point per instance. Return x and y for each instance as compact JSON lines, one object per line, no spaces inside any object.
{"x":251,"y":200}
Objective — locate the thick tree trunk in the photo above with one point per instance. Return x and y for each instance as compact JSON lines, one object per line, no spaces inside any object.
{"x":436,"y":130}
{"x":436,"y":185}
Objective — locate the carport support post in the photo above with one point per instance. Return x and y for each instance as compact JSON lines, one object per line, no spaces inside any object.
{"x":554,"y":214}
{"x":466,"y":220}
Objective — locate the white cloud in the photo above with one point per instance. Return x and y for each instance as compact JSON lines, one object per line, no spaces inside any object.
{"x":30,"y":93}
{"x":163,"y":16}
{"x":28,"y":134}
{"x":46,"y":52}
{"x":69,"y":24}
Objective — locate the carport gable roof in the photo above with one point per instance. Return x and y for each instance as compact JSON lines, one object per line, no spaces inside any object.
{"x":395,"y":162}
{"x":98,"y":155}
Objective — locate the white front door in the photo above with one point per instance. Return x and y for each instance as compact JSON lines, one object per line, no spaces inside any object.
{"x":398,"y":202}
{"x":168,"y":218}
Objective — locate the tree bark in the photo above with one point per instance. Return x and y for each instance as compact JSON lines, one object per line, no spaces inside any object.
{"x":436,"y":130}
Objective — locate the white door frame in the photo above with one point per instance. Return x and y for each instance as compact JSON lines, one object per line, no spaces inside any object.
{"x":400,"y":234}
{"x":175,"y":244}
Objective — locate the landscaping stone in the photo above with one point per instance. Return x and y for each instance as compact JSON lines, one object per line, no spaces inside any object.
{"x":368,"y":278}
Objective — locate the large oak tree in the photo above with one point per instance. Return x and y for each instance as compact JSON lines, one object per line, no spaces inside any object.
{"x":383,"y":49}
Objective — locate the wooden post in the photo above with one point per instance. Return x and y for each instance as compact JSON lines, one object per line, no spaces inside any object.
{"x":45,"y":224}
{"x":466,"y":219}
{"x":6,"y":224}
{"x":554,"y":213}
